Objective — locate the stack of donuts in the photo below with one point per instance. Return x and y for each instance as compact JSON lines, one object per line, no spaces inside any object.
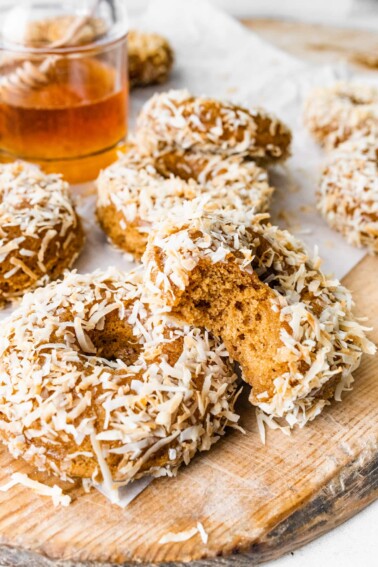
{"x":190,"y":148}
{"x":344,"y":120}
{"x":112,"y":376}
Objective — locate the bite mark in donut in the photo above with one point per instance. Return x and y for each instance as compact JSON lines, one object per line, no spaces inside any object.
{"x":288,"y":325}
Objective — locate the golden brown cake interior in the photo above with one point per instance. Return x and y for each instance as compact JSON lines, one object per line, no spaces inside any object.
{"x":238,"y":307}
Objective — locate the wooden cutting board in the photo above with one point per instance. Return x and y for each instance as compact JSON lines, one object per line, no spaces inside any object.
{"x":321,"y":44}
{"x":255,"y":502}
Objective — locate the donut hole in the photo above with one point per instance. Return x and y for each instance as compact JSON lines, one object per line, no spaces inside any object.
{"x":187,"y":166}
{"x":175,"y":163}
{"x":237,"y":307}
{"x":111,"y":346}
{"x":116,"y":340}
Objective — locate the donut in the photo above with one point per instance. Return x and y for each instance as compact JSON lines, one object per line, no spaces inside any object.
{"x":333,"y":114}
{"x":288,"y":326}
{"x":347,"y":196}
{"x":150,"y":59}
{"x":94,"y":385}
{"x":177,"y":120}
{"x":137,"y":191}
{"x":40,"y":233}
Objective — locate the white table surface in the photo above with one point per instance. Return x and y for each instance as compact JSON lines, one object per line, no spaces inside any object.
{"x":353,"y":544}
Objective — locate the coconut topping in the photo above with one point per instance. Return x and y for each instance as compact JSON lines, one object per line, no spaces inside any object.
{"x":333,"y":114}
{"x":348,"y":190}
{"x":318,"y":327}
{"x":176,"y":119}
{"x":37,"y":217}
{"x":75,"y":404}
{"x":142,"y":196}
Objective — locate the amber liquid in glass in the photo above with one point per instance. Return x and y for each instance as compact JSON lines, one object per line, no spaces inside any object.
{"x":75,"y":124}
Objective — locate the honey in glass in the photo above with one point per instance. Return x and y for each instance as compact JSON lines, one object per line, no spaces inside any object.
{"x":73,"y":119}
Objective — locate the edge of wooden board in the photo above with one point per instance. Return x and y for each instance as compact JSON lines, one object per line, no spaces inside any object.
{"x":322,"y":513}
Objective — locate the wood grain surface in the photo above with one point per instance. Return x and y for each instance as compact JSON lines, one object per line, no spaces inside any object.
{"x":255,"y":502}
{"x":321,"y":44}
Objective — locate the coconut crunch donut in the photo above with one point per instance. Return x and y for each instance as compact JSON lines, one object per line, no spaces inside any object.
{"x":137,"y":191}
{"x":348,"y":190}
{"x":150,"y":58}
{"x":177,"y":120}
{"x":288,"y":326}
{"x":217,"y":172}
{"x":94,"y":385}
{"x":40,"y":232}
{"x":333,"y":114}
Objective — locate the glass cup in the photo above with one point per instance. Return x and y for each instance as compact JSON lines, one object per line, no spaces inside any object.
{"x":64,"y":85}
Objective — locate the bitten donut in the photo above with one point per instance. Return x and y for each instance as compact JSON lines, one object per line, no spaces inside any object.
{"x":333,"y":114}
{"x":288,"y":326}
{"x":348,"y":191}
{"x":178,"y":120}
{"x":94,"y":385}
{"x":150,"y":58}
{"x":40,"y":232}
{"x":137,"y":191}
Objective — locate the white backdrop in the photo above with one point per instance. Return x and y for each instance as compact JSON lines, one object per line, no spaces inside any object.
{"x":342,"y":12}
